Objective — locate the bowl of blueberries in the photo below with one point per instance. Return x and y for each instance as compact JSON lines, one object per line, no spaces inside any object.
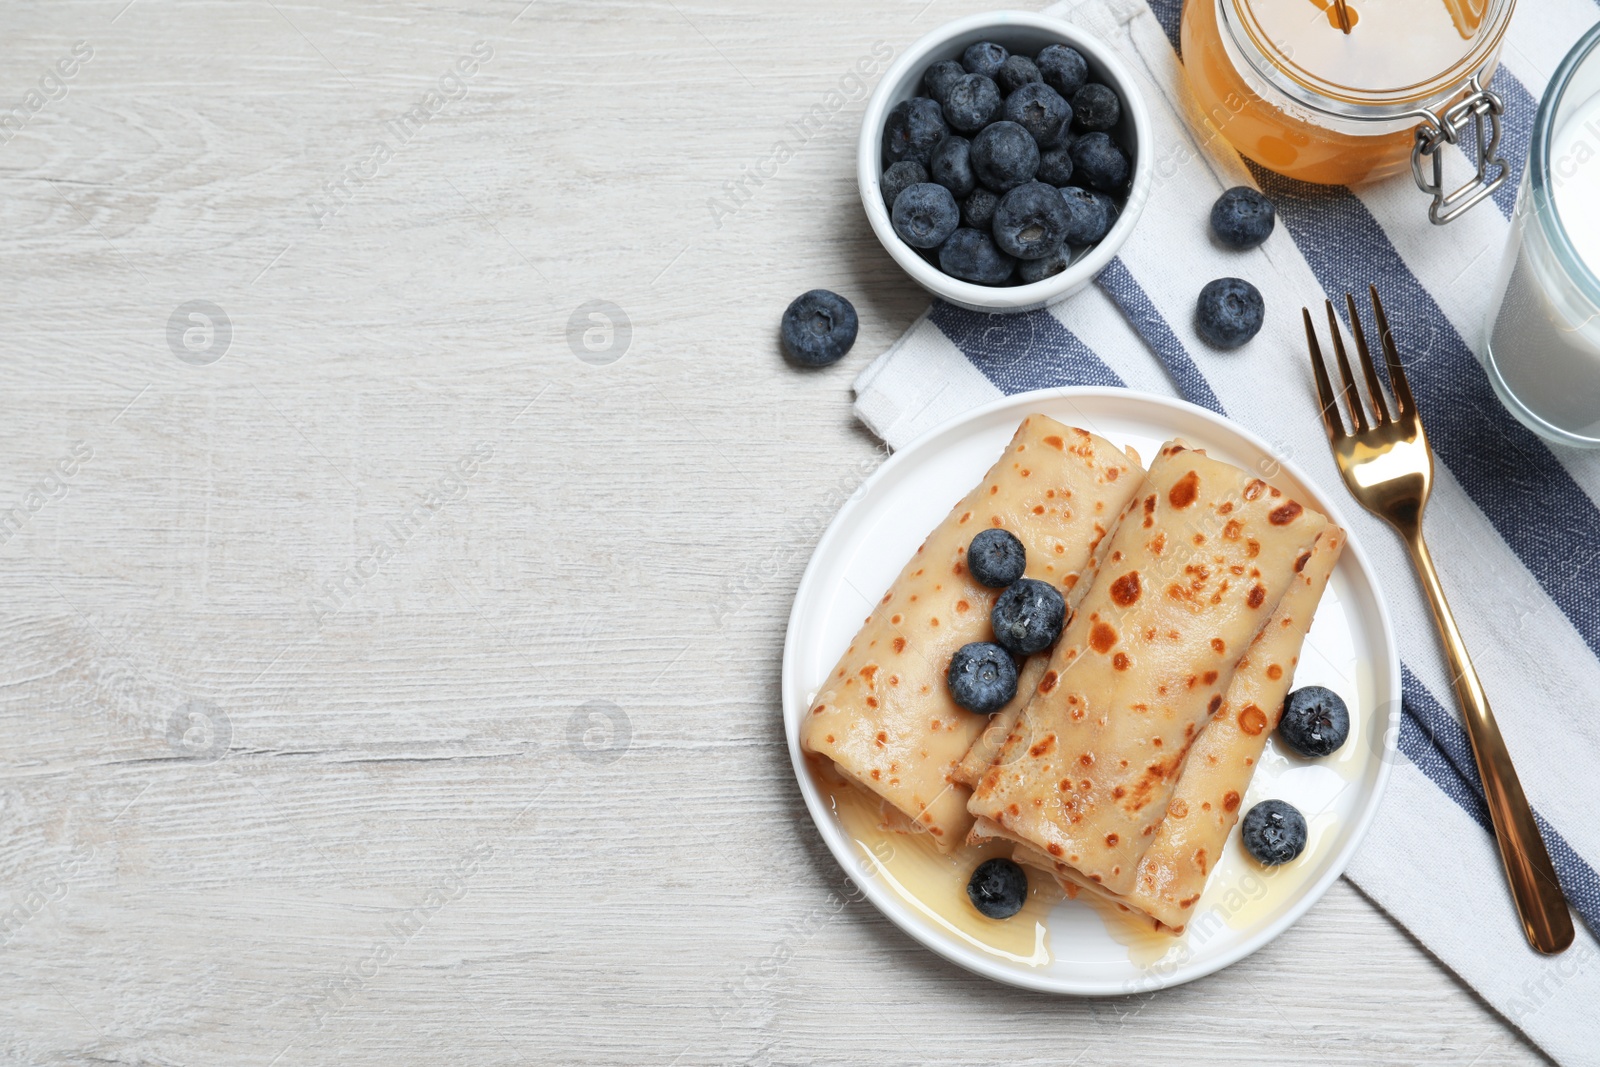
{"x":1004,"y":160}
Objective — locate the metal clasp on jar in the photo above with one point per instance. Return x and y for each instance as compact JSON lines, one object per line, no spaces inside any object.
{"x":1437,"y":131}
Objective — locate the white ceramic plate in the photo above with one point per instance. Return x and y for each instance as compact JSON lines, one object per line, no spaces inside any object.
{"x":1086,"y":949}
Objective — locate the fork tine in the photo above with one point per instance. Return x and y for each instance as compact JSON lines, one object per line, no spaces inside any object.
{"x":1328,"y":402}
{"x":1403,"y":403}
{"x":1374,"y":387}
{"x":1351,"y":397}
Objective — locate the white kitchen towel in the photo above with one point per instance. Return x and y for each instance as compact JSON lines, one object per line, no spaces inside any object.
{"x":1514,"y":523}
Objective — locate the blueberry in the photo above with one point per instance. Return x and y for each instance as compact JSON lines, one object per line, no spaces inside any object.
{"x":1016,"y":72}
{"x":1040,"y":110}
{"x":1274,"y":832}
{"x":1100,"y":162}
{"x":1315,"y":720}
{"x":982,"y":677}
{"x":996,"y":558}
{"x":971,"y":255}
{"x":1063,"y":69}
{"x":1087,"y":217}
{"x":818,"y":328}
{"x":900,"y":177}
{"x":941,"y":76}
{"x":1055,"y":165}
{"x":1031,"y":221}
{"x":998,"y":888}
{"x":984,"y":58}
{"x":1096,"y":107}
{"x":951,"y":165}
{"x":1242,"y":217}
{"x":925,"y":215}
{"x":977,"y":210}
{"x":1037,"y":270}
{"x":1228,"y":313}
{"x":1004,"y":156}
{"x":1028,"y":616}
{"x":971,"y":103}
{"x":912,"y":130}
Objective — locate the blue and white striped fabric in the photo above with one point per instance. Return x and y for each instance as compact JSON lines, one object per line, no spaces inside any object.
{"x":1514,"y":524}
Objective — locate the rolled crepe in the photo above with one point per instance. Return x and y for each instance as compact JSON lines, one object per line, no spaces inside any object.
{"x":1205,"y":805}
{"x":884,"y":716}
{"x":1194,"y":571}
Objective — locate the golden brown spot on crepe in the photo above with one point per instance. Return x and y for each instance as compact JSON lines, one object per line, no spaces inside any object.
{"x":1085,"y":785}
{"x":1209,"y":677}
{"x":1252,"y":720}
{"x":1101,"y":637}
{"x":1232,"y":530}
{"x":1026,"y":472}
{"x":1043,"y":746}
{"x":1120,"y":661}
{"x":1050,"y":494}
{"x":1118,"y":792}
{"x":1125,"y":590}
{"x":894,"y":679}
{"x":962,"y":607}
{"x":1013,"y":809}
{"x":1054,"y":849}
{"x":1153,"y":775}
{"x":876,"y":774}
{"x":1205,"y":806}
{"x":899,"y":644}
{"x":829,"y":739}
{"x":964,"y":517}
{"x":1069,"y":581}
{"x":1156,"y":741}
{"x":1300,"y":564}
{"x":1112,"y":474}
{"x":872,"y":702}
{"x":1187,"y":902}
{"x":1274,"y":672}
{"x":1096,"y":877}
{"x":1253,"y":548}
{"x":819,"y":709}
{"x":1200,"y":859}
{"x":936,"y":831}
{"x":1256,"y":596}
{"x":869,"y":672}
{"x":913,"y":596}
{"x":1274,"y":492}
{"x":1178,"y":809}
{"x":1230,"y":801}
{"x":1055,"y":442}
{"x":1111,"y":842}
{"x":1038,"y":509}
{"x":1214,"y":704}
{"x":1226,"y":507}
{"x":996,"y":520}
{"x":883,"y":738}
{"x":1284,"y":514}
{"x":1048,"y":682}
{"x":1184,"y":491}
{"x":886,"y":597}
{"x":1149,"y":510}
{"x":1254,"y":489}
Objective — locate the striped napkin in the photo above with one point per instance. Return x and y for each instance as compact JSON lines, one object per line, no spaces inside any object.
{"x":1514,"y":523}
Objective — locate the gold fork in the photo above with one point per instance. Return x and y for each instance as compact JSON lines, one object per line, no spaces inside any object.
{"x":1388,"y":468}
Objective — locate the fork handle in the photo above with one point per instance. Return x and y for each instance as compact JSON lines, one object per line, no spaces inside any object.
{"x":1534,"y":886}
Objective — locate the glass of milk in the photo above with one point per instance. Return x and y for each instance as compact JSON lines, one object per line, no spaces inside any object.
{"x":1543,"y":348}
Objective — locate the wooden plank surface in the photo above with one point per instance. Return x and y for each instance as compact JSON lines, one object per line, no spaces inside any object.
{"x":384,"y":682}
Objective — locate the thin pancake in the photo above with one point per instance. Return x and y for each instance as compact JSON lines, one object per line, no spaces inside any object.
{"x":1216,"y":775}
{"x":1191,"y":575}
{"x":884,"y":716}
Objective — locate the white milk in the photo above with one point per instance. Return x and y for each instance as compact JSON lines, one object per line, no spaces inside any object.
{"x":1544,"y":340}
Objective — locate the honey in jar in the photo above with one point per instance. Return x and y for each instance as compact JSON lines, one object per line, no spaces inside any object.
{"x":1337,"y":92}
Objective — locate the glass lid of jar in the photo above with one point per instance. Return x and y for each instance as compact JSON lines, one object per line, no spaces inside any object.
{"x":1398,"y":55}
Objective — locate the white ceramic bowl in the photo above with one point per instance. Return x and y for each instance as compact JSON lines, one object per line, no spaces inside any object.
{"x":1024,"y":33}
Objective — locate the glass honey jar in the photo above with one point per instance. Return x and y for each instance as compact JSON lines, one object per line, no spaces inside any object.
{"x":1350,"y":91}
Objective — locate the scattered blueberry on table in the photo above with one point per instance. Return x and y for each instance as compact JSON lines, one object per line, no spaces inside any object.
{"x":1274,"y":832}
{"x":1028,"y":616}
{"x":1242,"y":218}
{"x":996,"y":558}
{"x":818,"y":328}
{"x":998,"y":888}
{"x":1229,"y":312}
{"x":991,"y":124}
{"x":982,"y":677}
{"x":1315,"y":721}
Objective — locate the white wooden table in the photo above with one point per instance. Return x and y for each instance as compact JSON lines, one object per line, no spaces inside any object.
{"x":384,"y":682}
